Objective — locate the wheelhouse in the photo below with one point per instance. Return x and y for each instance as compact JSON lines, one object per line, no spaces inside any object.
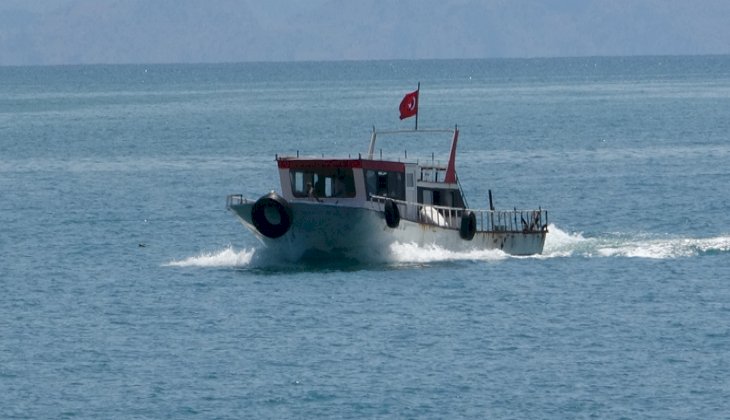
{"x":358,"y":180}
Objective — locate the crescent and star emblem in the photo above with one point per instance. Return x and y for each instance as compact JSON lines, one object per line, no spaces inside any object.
{"x":412,"y":104}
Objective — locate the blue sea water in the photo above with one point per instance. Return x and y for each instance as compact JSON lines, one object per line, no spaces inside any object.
{"x":128,"y":291}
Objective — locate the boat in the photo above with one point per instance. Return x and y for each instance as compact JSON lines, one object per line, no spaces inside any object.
{"x":360,"y":207}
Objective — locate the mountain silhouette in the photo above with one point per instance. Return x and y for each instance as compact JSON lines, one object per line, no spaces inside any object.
{"x":173,"y":31}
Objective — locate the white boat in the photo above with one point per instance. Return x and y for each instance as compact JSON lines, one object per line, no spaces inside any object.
{"x":359,"y":207}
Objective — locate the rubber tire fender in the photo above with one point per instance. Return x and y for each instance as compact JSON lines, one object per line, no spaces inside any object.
{"x":266,"y":204}
{"x":392,"y":214}
{"x":468,"y":227}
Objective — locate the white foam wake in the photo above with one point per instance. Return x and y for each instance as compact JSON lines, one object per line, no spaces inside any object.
{"x":412,"y":253}
{"x":666,"y":248}
{"x":399,"y":254}
{"x":227,"y":257}
{"x":562,"y":244}
{"x":557,"y":244}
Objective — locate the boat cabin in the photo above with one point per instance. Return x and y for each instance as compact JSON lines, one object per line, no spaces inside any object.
{"x":352,"y":182}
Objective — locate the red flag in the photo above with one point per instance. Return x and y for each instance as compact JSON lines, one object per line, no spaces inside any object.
{"x":409,"y":105}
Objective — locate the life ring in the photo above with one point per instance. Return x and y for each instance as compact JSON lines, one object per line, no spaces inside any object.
{"x":468,"y":227}
{"x":271,"y":215}
{"x":392,"y":214}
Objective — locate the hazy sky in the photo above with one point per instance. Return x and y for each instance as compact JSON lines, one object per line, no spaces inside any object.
{"x":156,"y":31}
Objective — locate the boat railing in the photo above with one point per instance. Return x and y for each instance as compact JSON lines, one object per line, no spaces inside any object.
{"x":236,"y":200}
{"x":487,"y":220}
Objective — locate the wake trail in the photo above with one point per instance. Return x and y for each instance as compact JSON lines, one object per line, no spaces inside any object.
{"x":558,"y":244}
{"x":227,"y":257}
{"x":631,"y":245}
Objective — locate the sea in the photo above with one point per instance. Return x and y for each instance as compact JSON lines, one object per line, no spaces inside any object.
{"x":128,"y":291}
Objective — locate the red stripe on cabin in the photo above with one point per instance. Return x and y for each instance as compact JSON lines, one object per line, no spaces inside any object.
{"x":285,"y":163}
{"x":384,"y":165}
{"x":378,"y":165}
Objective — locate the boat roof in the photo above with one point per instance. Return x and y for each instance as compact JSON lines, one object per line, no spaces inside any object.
{"x":318,"y":163}
{"x":370,"y":163}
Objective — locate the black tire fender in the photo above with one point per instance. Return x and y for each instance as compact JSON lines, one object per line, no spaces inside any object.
{"x":271,"y":215}
{"x":468,"y":227}
{"x":392,"y":214}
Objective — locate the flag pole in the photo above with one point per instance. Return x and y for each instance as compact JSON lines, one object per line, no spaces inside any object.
{"x":418,"y":99}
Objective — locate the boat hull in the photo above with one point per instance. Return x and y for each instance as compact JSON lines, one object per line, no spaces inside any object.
{"x":361,"y":233}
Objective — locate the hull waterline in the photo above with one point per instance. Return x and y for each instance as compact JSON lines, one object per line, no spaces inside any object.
{"x":363,"y":234}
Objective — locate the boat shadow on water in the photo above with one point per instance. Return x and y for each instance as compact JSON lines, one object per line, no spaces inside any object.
{"x":263,"y":260}
{"x":400,"y":256}
{"x":267,"y":261}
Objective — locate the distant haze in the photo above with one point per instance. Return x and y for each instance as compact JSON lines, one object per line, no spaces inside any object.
{"x":183,"y":31}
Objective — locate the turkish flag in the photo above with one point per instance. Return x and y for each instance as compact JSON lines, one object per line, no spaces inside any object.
{"x":409,"y":105}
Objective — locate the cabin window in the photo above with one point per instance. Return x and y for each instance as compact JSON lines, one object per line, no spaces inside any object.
{"x":409,"y":180}
{"x":382,"y":183}
{"x":427,"y":197}
{"x":440,"y":197}
{"x":371,"y":182}
{"x":328,"y":191}
{"x":385,"y":184}
{"x":323,"y":182}
{"x":298,"y":185}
